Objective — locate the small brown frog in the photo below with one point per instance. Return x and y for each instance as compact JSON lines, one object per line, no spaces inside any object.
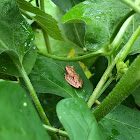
{"x":72,"y":77}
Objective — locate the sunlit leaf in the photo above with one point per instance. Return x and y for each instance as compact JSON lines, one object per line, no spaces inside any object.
{"x":78,"y":120}
{"x":18,"y":118}
{"x":101,"y":18}
{"x":46,"y":21}
{"x":48,"y":76}
{"x":16,"y":40}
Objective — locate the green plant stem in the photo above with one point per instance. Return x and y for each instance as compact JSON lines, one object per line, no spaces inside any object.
{"x":55,"y":130}
{"x":97,"y":91}
{"x":78,"y":58}
{"x":130,"y":43}
{"x":34,"y":96}
{"x":120,"y":24}
{"x":46,"y":39}
{"x":105,"y":86}
{"x":117,"y":41}
{"x":42,"y":5}
{"x":45,"y":35}
{"x":131,"y":4}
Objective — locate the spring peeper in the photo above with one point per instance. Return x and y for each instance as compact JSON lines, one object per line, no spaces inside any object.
{"x":72,"y":77}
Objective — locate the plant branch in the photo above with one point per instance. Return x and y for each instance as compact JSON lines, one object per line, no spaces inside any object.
{"x":97,"y":90}
{"x":130,"y":43}
{"x":34,"y":96}
{"x":120,"y":24}
{"x":55,"y":130}
{"x":45,"y":35}
{"x":78,"y":58}
{"x":117,"y":41}
{"x":46,"y":39}
{"x":132,"y":5}
{"x":42,"y":5}
{"x":105,"y":86}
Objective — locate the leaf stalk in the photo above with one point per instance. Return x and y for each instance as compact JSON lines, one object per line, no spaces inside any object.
{"x":55,"y":130}
{"x":78,"y":58}
{"x":45,"y":35}
{"x":35,"y":98}
{"x":133,"y":5}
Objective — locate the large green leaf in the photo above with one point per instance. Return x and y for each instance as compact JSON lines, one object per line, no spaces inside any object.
{"x":122,"y":123}
{"x":15,"y":33}
{"x":101,"y":17}
{"x":16,"y":40}
{"x":47,"y":76}
{"x":18,"y":118}
{"x":78,"y":120}
{"x":46,"y":21}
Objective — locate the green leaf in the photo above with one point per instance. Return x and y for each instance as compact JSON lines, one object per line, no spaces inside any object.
{"x":122,"y":123}
{"x":46,"y":21}
{"x":18,"y":118}
{"x":16,"y":40}
{"x":8,"y":66}
{"x":101,"y":18}
{"x":78,"y":120}
{"x":136,"y":95}
{"x":47,"y":76}
{"x":73,"y":33}
{"x":15,"y":34}
{"x":127,"y":84}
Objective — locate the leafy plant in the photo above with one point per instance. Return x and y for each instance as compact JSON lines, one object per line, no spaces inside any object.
{"x":35,"y":48}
